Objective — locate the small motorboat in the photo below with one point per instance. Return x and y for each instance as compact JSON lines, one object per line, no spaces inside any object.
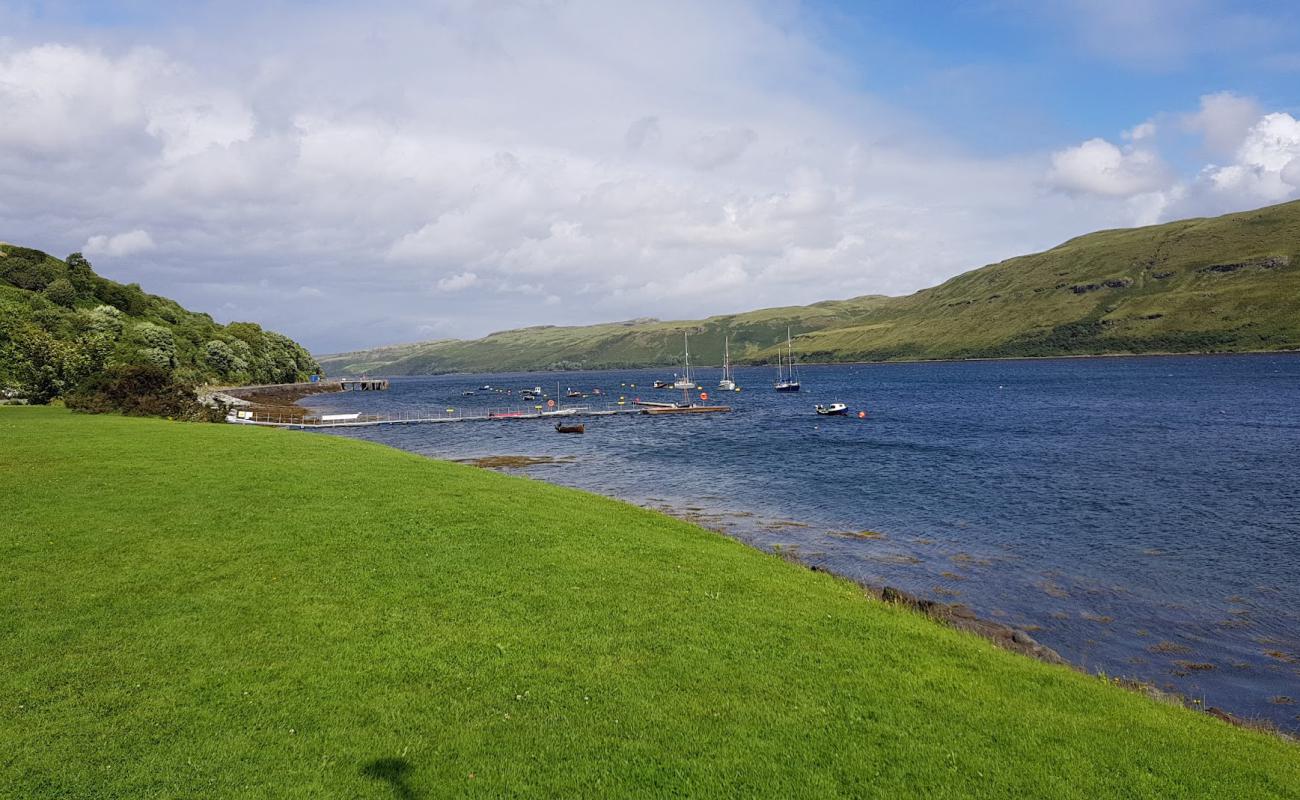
{"x":663,"y":384}
{"x":574,"y":393}
{"x":832,"y":409}
{"x":560,"y":427}
{"x":485,"y":388}
{"x":467,"y":393}
{"x":528,"y":396}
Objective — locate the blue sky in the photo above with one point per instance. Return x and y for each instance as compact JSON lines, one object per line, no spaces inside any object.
{"x":450,"y":167}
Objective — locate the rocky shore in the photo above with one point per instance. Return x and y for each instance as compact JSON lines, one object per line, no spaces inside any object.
{"x":280,"y":399}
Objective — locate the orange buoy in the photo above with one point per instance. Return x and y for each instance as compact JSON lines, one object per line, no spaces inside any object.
{"x":862,"y":415}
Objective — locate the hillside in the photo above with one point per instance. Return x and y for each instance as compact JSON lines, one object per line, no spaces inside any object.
{"x":173,"y":632}
{"x":60,"y":323}
{"x":1222,"y":284}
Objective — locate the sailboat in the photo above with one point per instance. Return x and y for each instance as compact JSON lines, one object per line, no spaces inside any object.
{"x":728,"y":382}
{"x":685,"y":382}
{"x":786,"y":382}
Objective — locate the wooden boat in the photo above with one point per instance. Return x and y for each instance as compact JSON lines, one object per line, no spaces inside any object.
{"x":562,"y":428}
{"x":687,"y":410}
{"x":786,"y":382}
{"x":832,"y":409}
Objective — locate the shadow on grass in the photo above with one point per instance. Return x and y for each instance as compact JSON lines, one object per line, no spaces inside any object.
{"x":392,"y":771}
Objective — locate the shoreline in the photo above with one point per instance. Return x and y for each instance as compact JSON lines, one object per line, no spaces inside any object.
{"x":953,"y":615}
{"x":759,"y":364}
{"x":956,"y":615}
{"x":279,"y":398}
{"x":547,"y":624}
{"x":961,"y":617}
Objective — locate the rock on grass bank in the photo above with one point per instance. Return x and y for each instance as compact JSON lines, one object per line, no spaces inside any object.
{"x":219,"y":611}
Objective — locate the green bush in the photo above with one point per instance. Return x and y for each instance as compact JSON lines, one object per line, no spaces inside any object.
{"x":61,"y":292}
{"x":140,"y":390}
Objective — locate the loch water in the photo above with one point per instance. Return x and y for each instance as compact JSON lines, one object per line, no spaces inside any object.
{"x":1140,"y":515}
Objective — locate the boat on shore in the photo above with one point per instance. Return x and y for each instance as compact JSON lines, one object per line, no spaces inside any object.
{"x":786,"y":381}
{"x":832,"y":409}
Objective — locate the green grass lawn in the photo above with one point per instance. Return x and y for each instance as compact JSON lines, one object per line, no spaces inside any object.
{"x":213,"y":611}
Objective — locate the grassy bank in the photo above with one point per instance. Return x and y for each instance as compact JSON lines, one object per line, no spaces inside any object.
{"x":192,"y":610}
{"x":1217,"y":285}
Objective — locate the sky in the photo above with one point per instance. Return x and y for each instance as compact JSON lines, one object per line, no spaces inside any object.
{"x":362,"y":174}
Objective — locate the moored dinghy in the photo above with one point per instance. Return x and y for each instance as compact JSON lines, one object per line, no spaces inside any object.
{"x":832,"y":409}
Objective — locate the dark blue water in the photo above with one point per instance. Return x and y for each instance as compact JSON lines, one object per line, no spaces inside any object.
{"x":1139,"y":515}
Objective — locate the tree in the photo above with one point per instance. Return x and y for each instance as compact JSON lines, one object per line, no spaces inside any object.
{"x":157,"y":345}
{"x":81,"y":275}
{"x":61,"y":292}
{"x":221,"y":358}
{"x":45,"y":366}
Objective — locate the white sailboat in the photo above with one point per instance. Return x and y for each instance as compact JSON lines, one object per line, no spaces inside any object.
{"x":728,"y":382}
{"x":684,"y":382}
{"x":786,"y":382}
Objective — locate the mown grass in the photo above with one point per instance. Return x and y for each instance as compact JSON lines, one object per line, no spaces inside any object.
{"x":214,"y":611}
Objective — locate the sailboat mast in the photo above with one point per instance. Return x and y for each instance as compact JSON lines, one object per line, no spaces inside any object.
{"x":686,"y":340}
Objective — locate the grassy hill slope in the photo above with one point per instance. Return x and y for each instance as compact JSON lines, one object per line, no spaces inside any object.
{"x":1229,"y":283}
{"x":217,"y":611}
{"x":60,"y":322}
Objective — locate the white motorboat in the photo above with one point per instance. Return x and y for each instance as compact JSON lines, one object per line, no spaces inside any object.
{"x":832,"y":409}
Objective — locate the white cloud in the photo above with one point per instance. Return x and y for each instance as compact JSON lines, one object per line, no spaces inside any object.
{"x":1099,"y":167}
{"x":1263,"y":170}
{"x":458,"y":282}
{"x":1146,"y":130}
{"x":715,"y":148}
{"x":1223,"y":120}
{"x":119,"y":245}
{"x":464,"y":170}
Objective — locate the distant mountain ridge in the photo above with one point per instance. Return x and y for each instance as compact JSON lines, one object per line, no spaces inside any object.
{"x":1221,"y":284}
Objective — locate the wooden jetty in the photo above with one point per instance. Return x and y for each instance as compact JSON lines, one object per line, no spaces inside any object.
{"x":272,"y":419}
{"x":687,"y":410}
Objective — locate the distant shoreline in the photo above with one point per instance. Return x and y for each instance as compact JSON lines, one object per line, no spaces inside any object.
{"x":1073,"y":356}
